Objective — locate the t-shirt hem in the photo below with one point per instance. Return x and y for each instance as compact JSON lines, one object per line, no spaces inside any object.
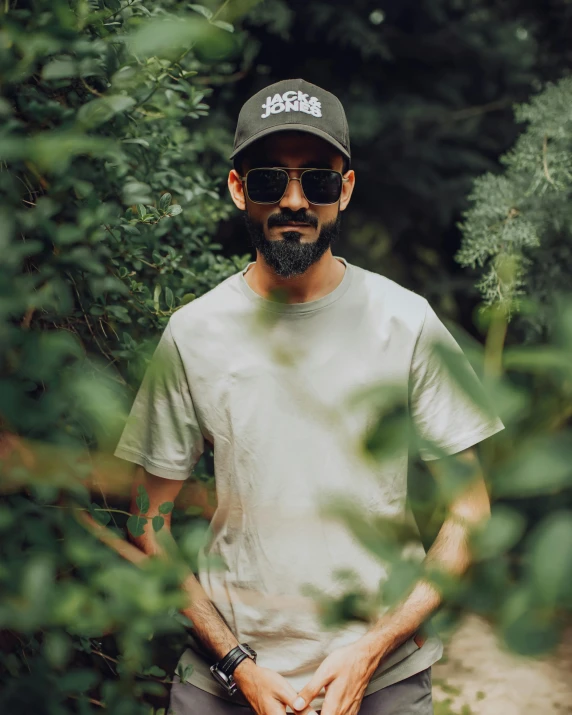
{"x":153,"y":468}
{"x":420,"y":660}
{"x":464,"y":443}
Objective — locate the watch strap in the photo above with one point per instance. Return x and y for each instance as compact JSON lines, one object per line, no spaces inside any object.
{"x":232,"y":660}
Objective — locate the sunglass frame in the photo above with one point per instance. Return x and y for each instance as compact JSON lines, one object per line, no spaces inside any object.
{"x":295,"y":178}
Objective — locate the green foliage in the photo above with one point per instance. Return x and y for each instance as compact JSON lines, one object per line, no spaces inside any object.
{"x":517,"y":231}
{"x":112,"y":190}
{"x":112,"y":179}
{"x":521,"y":575}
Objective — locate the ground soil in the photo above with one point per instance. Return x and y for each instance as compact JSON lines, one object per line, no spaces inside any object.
{"x":477,"y":676}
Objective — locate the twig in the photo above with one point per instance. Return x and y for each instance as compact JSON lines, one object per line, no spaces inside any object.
{"x":545,"y":161}
{"x":27,"y":319}
{"x":481,"y":109}
{"x":82,"y":508}
{"x":103,"y":352}
{"x":103,"y":655}
{"x":91,"y":89}
{"x":218,"y":12}
{"x":90,"y":700}
{"x":121,"y":9}
{"x":220,"y":79}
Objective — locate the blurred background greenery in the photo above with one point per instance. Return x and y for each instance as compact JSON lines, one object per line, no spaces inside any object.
{"x":117,"y":119}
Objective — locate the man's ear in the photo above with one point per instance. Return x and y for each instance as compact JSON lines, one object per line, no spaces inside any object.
{"x":347,"y":189}
{"x":236,"y":188}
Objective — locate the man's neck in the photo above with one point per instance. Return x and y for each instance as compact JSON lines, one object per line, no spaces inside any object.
{"x":321,"y":278}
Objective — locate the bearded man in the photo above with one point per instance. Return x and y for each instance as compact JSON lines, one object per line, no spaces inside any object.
{"x":271,"y":398}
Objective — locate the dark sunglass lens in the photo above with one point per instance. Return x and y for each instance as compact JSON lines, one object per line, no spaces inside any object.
{"x":266,"y":185}
{"x":322,"y":186}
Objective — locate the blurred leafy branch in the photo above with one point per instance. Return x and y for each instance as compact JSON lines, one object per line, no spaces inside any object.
{"x":110,"y":197}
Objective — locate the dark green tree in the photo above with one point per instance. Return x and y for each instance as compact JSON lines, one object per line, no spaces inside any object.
{"x":428,"y":88}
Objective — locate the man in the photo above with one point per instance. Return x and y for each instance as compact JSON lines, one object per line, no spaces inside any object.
{"x":271,"y":397}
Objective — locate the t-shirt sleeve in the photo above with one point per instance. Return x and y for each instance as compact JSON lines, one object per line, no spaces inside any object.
{"x":448,"y":405}
{"x":162,"y":432}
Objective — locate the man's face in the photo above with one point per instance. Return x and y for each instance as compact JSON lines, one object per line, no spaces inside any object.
{"x":292,"y":234}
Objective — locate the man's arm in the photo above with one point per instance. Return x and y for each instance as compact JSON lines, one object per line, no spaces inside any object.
{"x":267,"y":692}
{"x":211,"y":629}
{"x":450,"y":553}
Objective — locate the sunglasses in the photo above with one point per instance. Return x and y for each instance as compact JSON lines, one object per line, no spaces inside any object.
{"x":321,"y":187}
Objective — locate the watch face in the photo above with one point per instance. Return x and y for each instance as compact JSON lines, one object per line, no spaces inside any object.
{"x":227,"y":682}
{"x":219,"y":676}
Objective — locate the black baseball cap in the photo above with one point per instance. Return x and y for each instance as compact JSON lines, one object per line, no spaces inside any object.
{"x":292,"y":104}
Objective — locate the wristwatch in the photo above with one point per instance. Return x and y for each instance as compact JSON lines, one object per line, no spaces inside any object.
{"x":223,"y":670}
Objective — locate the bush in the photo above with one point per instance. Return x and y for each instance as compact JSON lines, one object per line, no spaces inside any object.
{"x":111,"y":196}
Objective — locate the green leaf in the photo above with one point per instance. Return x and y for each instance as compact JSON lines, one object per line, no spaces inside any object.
{"x":175,"y":209}
{"x":137,"y":140}
{"x":165,"y":202}
{"x":223,"y":25}
{"x":551,"y":558}
{"x":156,"y":296}
{"x":166,"y":507}
{"x":500,"y":533}
{"x":142,"y":499}
{"x":57,"y":648}
{"x":187,"y":298}
{"x":102,"y":109}
{"x":202,"y":10}
{"x":184,"y":671}
{"x":60,"y":69}
{"x":141,"y":211}
{"x":165,"y":37}
{"x":158,"y":522}
{"x":169,"y":298}
{"x":136,"y":525}
{"x":78,"y":681}
{"x":155,"y":671}
{"x":136,"y":192}
{"x":102,"y":517}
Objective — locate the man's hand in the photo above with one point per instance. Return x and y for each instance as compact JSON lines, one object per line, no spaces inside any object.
{"x":267,"y":691}
{"x":344,"y":674}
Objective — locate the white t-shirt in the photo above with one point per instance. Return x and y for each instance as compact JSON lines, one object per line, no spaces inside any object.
{"x":268,"y":384}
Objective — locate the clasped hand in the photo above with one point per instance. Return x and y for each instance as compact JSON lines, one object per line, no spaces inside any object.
{"x":344,"y":674}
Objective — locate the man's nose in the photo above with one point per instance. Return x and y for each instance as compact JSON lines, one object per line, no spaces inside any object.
{"x":294,"y":198}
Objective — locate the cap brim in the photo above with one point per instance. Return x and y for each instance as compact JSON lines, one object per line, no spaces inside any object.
{"x":291,"y":128}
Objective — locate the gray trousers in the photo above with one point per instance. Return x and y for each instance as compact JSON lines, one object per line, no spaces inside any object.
{"x":411,"y":696}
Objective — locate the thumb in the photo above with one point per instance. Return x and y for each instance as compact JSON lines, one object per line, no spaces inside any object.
{"x":308,"y":693}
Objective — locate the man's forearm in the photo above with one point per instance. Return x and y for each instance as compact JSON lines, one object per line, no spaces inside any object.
{"x":208,"y":624}
{"x":211,"y":629}
{"x":449,"y":553}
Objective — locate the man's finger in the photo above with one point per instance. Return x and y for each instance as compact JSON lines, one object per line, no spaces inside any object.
{"x":308,"y":692}
{"x":332,"y":699}
{"x":292,"y":697}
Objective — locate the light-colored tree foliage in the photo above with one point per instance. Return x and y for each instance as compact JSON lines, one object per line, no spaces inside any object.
{"x":517,"y":232}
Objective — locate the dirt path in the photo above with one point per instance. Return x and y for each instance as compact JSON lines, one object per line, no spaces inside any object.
{"x":478,"y":677}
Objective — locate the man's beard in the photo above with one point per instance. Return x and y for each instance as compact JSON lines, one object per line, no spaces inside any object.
{"x":289,"y":256}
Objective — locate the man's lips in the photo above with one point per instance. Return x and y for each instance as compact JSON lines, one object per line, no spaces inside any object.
{"x":293,"y":223}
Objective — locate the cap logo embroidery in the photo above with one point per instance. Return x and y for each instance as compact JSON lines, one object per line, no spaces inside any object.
{"x":292,"y":102}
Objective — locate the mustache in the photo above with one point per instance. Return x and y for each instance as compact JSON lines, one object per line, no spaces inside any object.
{"x":286,"y":216}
